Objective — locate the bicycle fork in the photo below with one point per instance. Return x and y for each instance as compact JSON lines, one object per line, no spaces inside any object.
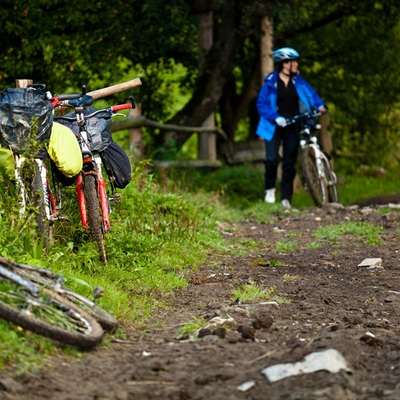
{"x":102,"y":195}
{"x":49,"y":200}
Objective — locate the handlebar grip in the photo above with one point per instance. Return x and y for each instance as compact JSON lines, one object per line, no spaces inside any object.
{"x":71,"y":96}
{"x":126,"y":106}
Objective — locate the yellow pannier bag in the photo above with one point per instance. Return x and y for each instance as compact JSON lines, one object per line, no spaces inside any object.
{"x":64,"y":150}
{"x":7,"y":164}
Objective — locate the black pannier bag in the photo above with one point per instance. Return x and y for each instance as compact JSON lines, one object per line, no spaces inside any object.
{"x":24,"y":114}
{"x":115,"y":160}
{"x":117,"y":164}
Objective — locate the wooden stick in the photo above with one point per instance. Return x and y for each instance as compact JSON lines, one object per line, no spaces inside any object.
{"x":143,"y":121}
{"x":108,"y":91}
{"x":23,"y":83}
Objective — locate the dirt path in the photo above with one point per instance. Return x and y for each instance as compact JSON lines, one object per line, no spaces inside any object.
{"x":335,"y":304}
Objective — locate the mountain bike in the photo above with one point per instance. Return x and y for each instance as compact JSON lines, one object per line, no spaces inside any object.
{"x":93,"y":199}
{"x":36,"y":307}
{"x":47,"y":278}
{"x":320,"y":179}
{"x":26,"y":121}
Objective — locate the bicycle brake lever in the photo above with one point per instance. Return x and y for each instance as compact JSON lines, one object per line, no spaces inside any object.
{"x":132,"y":100}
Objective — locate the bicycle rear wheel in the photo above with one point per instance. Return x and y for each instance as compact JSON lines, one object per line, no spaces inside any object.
{"x":331,"y":180}
{"x":94,"y":214}
{"x":48,"y":314}
{"x":315,"y":184}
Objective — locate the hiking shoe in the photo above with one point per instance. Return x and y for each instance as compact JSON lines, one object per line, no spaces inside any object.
{"x":270,"y":196}
{"x":286,"y":205}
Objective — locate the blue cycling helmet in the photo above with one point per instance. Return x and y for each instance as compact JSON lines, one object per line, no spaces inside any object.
{"x":285,"y":54}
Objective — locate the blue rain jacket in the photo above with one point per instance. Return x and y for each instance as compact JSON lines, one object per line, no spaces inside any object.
{"x":267,"y":98}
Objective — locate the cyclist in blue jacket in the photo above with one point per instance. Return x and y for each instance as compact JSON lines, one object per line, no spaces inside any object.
{"x":283,"y":95}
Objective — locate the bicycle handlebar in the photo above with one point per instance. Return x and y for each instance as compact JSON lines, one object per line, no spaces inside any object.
{"x":71,"y":96}
{"x":119,"y":107}
{"x":302,"y":117}
{"x":108,"y":110}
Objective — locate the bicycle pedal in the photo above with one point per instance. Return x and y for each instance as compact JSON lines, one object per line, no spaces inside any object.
{"x":117,"y":197}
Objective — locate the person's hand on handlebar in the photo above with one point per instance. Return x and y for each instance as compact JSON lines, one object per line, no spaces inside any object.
{"x":280,"y":121}
{"x":322,"y":110}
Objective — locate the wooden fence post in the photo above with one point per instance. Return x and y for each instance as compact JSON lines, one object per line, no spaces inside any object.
{"x":23,"y":83}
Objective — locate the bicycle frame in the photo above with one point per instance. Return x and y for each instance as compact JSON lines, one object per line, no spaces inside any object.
{"x":31,"y":287}
{"x":49,"y":199}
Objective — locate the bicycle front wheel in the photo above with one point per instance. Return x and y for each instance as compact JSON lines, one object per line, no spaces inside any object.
{"x":315,"y":183}
{"x":331,"y":180}
{"x":48,"y":314}
{"x":34,"y":192}
{"x":44,"y":277}
{"x":94,"y":214}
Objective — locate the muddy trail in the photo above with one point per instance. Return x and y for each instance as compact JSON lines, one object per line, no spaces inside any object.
{"x":329,"y":330}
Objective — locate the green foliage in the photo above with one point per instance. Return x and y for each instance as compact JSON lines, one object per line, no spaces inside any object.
{"x":19,"y":349}
{"x":334,"y":233}
{"x":250,"y":292}
{"x":240,"y":186}
{"x":286,"y":246}
{"x":191,"y":326}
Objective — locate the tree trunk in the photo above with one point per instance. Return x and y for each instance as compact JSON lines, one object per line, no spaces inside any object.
{"x":206,"y":141}
{"x":266,"y":44}
{"x":216,"y":71}
{"x":136,"y":135}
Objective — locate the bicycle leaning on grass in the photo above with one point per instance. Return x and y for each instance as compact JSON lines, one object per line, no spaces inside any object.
{"x":93,"y":197}
{"x":26,"y":118}
{"x":319,"y":177}
{"x":34,"y":299}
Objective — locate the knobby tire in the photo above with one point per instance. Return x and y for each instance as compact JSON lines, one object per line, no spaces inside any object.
{"x":333,"y":194}
{"x":316,"y":185}
{"x":47,"y":278}
{"x":48,"y":314}
{"x":94,"y":214}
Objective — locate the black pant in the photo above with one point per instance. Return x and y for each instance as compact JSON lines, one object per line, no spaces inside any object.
{"x":289,"y":137}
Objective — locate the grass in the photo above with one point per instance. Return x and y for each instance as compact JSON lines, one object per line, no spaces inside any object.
{"x":333,"y":233}
{"x":192,"y":326}
{"x":251,"y":292}
{"x":286,"y":246}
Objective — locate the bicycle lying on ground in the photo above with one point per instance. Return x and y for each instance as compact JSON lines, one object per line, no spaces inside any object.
{"x":34,"y":299}
{"x":317,"y":171}
{"x":93,"y":199}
